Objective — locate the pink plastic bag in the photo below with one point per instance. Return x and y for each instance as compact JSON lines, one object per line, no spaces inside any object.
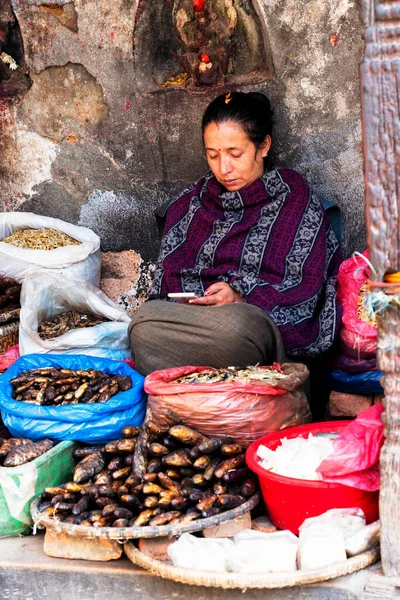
{"x":355,"y":334}
{"x":9,"y":358}
{"x":241,"y":410}
{"x":355,"y":460}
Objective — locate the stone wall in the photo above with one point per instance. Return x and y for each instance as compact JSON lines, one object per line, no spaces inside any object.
{"x":94,"y":139}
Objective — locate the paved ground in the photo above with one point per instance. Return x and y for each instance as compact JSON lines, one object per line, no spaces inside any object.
{"x":26,"y":573}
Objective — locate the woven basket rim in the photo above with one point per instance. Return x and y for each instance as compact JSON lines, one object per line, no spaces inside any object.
{"x":129,"y":533}
{"x":264,"y":581}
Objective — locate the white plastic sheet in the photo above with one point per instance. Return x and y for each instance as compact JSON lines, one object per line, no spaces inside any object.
{"x":249,"y":552}
{"x":82,"y":261}
{"x":202,"y":554}
{"x":365,"y":539}
{"x":323,"y":538}
{"x":18,"y":490}
{"x":45,"y":295}
{"x":258,"y":552}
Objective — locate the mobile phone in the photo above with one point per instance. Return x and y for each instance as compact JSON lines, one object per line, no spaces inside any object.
{"x":183,"y":295}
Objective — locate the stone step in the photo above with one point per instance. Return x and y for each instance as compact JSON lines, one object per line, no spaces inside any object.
{"x":26,"y":573}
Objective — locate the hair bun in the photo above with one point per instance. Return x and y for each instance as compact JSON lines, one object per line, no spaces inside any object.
{"x":262,"y":99}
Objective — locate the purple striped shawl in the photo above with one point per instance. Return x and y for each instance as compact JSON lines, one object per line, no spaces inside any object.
{"x":271,"y":241}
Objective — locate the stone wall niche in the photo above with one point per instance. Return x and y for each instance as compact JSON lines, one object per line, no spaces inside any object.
{"x":198,"y":44}
{"x":13,"y":74}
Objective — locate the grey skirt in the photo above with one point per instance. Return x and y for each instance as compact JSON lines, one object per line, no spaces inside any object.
{"x":168,"y":334}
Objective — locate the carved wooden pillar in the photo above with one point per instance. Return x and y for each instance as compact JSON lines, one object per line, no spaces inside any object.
{"x":380,"y":80}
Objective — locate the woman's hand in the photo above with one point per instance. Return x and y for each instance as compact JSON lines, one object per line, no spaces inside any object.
{"x":218,"y":294}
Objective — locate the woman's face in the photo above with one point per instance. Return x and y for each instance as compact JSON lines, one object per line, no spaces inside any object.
{"x":232,"y":156}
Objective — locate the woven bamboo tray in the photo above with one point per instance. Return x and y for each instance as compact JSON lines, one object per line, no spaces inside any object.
{"x":130,"y":533}
{"x":228,"y":581}
{"x":8,"y":336}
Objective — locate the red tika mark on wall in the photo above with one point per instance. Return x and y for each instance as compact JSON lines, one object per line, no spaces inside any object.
{"x":205,"y":58}
{"x":198,"y":5}
{"x":334,"y":39}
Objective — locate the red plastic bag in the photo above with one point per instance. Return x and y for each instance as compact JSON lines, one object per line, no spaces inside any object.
{"x":359,"y":336}
{"x":243,"y":411}
{"x":9,"y":358}
{"x":355,"y":460}
{"x":129,"y":362}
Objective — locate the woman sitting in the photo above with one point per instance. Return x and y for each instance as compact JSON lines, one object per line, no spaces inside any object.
{"x":253,"y":244}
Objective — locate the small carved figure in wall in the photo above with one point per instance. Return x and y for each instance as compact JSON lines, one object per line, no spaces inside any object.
{"x":206,"y":29}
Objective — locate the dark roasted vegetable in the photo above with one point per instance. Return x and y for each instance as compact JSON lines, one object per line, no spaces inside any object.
{"x":230,"y":501}
{"x":211,"y":512}
{"x":139,"y":456}
{"x":227,"y":465}
{"x":235,"y":475}
{"x":26,"y":452}
{"x":130,"y":432}
{"x":169,"y":483}
{"x":121,"y":523}
{"x":10,"y":444}
{"x":144,"y":517}
{"x":116,"y":463}
{"x":151,"y":488}
{"x":86,"y":450}
{"x":248,"y":488}
{"x":81,"y":506}
{"x":155,"y":429}
{"x":126,"y":445}
{"x":202,"y":462}
{"x":220,"y":487}
{"x":151,"y":502}
{"x":210,"y":469}
{"x":178,"y":458}
{"x":154,"y":465}
{"x":186,"y":435}
{"x":59,"y":387}
{"x":150,"y":477}
{"x":164,"y":518}
{"x":158,"y":450}
{"x":206,"y":503}
{"x":88,"y":467}
{"x":187,"y":477}
{"x":210,"y":445}
{"x":231,"y":449}
{"x":172,"y":418}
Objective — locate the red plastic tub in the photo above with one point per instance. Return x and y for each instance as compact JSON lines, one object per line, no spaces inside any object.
{"x":289,"y":501}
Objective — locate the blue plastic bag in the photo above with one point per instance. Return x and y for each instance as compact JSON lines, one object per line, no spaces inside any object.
{"x":367,"y":383}
{"x":95,"y":423}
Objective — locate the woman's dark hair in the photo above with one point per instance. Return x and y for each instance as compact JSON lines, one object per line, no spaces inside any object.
{"x":252,"y":111}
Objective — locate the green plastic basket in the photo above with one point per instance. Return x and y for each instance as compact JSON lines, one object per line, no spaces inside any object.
{"x":19,"y":485}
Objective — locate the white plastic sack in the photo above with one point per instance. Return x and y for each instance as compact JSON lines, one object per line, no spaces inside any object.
{"x":44,"y":296}
{"x":259,"y":552}
{"x":83,"y":261}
